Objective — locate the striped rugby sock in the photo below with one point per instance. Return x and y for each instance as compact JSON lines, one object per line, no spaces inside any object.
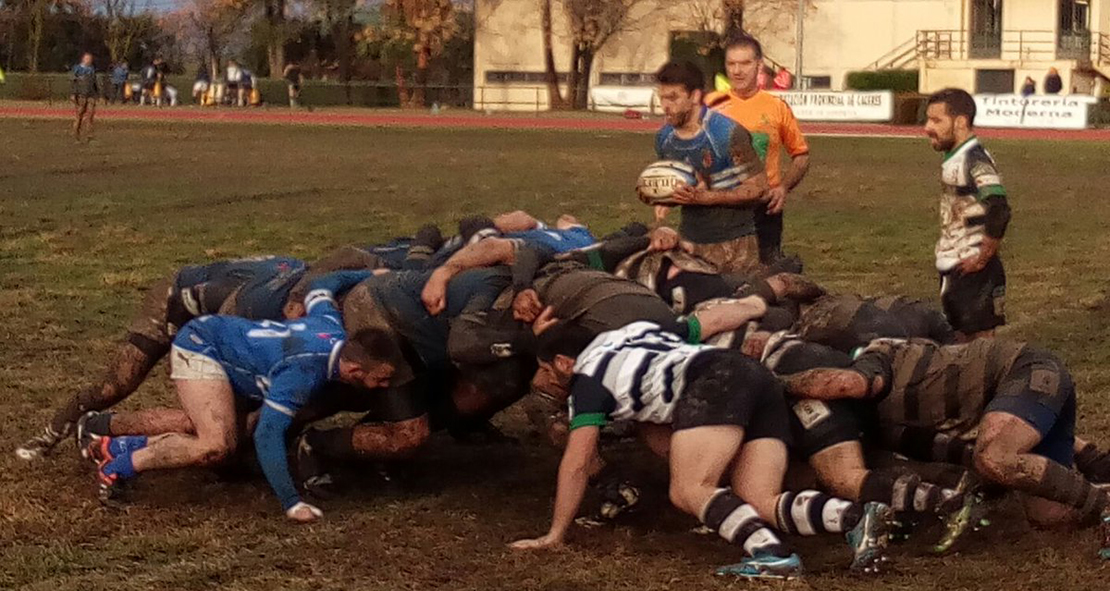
{"x":903,"y":492}
{"x":738,"y":523}
{"x":811,"y":512}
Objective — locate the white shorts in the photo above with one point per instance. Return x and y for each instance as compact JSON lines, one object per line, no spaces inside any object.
{"x":190,"y":365}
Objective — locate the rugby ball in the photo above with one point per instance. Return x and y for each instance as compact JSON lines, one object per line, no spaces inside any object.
{"x":658,"y":181}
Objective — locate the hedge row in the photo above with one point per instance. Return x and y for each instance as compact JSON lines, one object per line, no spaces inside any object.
{"x":895,"y":80}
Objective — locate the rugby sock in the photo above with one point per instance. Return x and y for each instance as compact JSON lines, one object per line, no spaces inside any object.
{"x":118,"y":446}
{"x":1069,"y":488}
{"x":1093,"y":464}
{"x":120,"y":466}
{"x":903,"y":492}
{"x":739,"y":523}
{"x":100,"y":423}
{"x":929,"y":446}
{"x":811,"y":512}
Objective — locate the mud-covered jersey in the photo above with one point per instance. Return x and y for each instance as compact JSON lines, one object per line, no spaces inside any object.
{"x":633,"y":373}
{"x":941,"y":387}
{"x":572,"y":289}
{"x":968,"y":177}
{"x":918,"y":318}
{"x":786,"y":354}
{"x":203,"y":289}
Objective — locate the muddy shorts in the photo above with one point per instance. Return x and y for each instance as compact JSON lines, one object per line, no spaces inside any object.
{"x":1039,"y":390}
{"x":975,"y":303}
{"x":726,"y":388}
{"x":740,"y":255}
{"x":818,"y":425}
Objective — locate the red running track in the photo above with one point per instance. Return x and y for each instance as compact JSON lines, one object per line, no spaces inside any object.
{"x":472,"y":119}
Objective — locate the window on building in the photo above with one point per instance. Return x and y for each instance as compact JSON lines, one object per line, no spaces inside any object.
{"x":509,"y":76}
{"x":627,"y":79}
{"x":994,"y":81}
{"x":1074,"y":16}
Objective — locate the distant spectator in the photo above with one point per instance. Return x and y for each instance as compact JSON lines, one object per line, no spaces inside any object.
{"x":119,"y":81}
{"x":169,"y":92}
{"x":149,"y":77}
{"x":234,"y":77}
{"x":160,"y":70}
{"x":85,"y":91}
{"x":294,"y":79}
{"x":246,"y":85}
{"x":1052,"y":82}
{"x":201,"y":84}
{"x":1029,"y":87}
{"x":784,"y":80}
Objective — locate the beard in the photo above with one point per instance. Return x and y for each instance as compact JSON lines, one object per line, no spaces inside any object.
{"x":679,"y":119}
{"x":942,"y":145}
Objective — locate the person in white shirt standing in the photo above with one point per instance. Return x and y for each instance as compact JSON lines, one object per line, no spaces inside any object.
{"x":974,"y":214}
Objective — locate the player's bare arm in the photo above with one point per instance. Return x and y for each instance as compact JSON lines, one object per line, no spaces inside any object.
{"x":485,"y":253}
{"x":574,"y":475}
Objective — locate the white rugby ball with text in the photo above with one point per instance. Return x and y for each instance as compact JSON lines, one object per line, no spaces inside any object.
{"x":658,"y":181}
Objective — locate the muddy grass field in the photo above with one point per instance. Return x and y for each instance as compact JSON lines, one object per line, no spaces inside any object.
{"x":83,"y":229}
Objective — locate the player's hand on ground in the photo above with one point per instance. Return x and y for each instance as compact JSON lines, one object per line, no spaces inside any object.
{"x":527,"y":306}
{"x":544,"y":321}
{"x":302,"y":512}
{"x":544,"y":543}
{"x":662,"y":239}
{"x":661,"y":212}
{"x":434,"y":294}
{"x":776,"y":199}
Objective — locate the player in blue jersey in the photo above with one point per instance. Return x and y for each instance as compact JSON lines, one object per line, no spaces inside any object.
{"x":192,"y":291}
{"x":718,"y":213}
{"x":428,"y":249}
{"x":258,"y":288}
{"x":224,"y":367}
{"x":85,"y":91}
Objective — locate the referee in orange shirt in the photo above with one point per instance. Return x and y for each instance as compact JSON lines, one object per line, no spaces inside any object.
{"x":772,"y":126}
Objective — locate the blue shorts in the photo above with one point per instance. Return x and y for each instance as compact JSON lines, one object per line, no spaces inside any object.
{"x":1039,"y":390}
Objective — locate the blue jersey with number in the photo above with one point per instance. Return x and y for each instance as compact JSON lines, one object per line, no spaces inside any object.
{"x":279,"y":364}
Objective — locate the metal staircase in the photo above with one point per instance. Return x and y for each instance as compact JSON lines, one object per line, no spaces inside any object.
{"x":898,"y":58}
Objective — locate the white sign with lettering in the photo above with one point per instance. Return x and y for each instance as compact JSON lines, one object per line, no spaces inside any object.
{"x":1035,"y":111}
{"x":814,"y":105}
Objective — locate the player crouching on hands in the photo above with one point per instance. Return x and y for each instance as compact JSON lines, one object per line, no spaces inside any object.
{"x":225,"y":366}
{"x":730,"y":424}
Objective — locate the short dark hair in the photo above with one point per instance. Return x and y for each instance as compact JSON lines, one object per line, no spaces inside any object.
{"x":370,"y":346}
{"x":745,"y":40}
{"x":687,"y":74}
{"x":957,"y":102}
{"x":565,"y":338}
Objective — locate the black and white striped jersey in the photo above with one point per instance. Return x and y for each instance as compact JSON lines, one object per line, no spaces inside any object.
{"x":635,"y":373}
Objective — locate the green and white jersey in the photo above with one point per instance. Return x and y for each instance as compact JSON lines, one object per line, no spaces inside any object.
{"x":968,"y":177}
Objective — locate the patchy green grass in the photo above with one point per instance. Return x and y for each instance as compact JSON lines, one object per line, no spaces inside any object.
{"x":84,"y":228}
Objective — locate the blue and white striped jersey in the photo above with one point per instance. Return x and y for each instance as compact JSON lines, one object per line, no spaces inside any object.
{"x":633,"y":373}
